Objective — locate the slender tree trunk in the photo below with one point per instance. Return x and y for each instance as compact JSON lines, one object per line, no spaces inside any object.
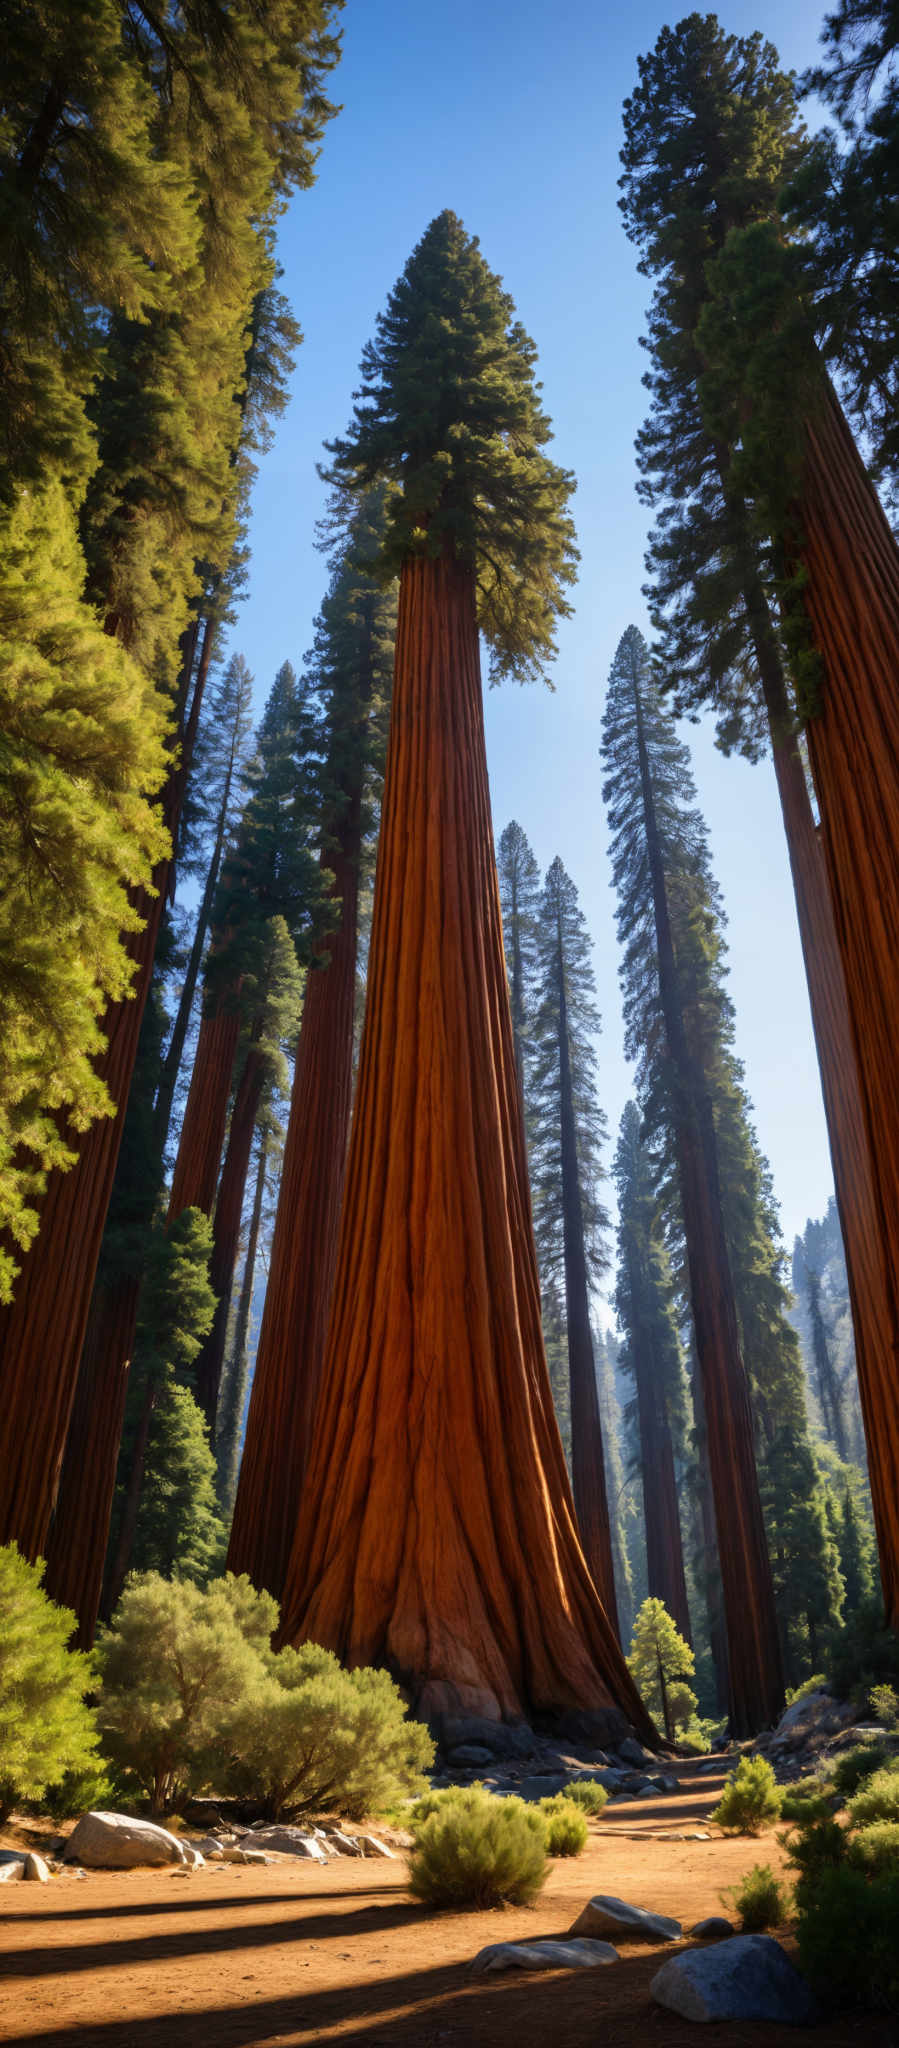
{"x":121,"y":1558}
{"x":42,"y":1330}
{"x":235,"y":1383}
{"x":226,"y":1228}
{"x":665,"y":1573}
{"x":851,"y":595}
{"x":199,"y":1155}
{"x":78,"y":1534}
{"x":304,"y":1250}
{"x":437,"y":1531}
{"x":587,"y":1467}
{"x":171,"y":1065}
{"x":753,"y":1644}
{"x":708,"y":1552}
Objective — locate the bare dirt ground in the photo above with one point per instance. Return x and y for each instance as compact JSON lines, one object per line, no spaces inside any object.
{"x":233,"y":1957}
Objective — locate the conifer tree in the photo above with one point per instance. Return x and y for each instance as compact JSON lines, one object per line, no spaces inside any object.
{"x":519,"y":895}
{"x":662,"y":1662}
{"x":232,"y":1396}
{"x":569,"y":1130}
{"x":436,"y":1479}
{"x":350,"y":667}
{"x":855,"y":1557}
{"x":661,"y":873}
{"x":616,"y":1482}
{"x":716,"y":575}
{"x":651,"y":1355}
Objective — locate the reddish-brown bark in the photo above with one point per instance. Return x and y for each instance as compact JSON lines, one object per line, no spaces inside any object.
{"x":437,"y":1532}
{"x":304,"y":1250}
{"x":756,"y":1689}
{"x":665,"y":1574}
{"x":851,"y":595}
{"x":226,"y":1227}
{"x":79,"y":1531}
{"x":199,"y":1156}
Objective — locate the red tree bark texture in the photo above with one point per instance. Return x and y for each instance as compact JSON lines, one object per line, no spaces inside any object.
{"x":202,"y":1137}
{"x":79,"y":1531}
{"x":851,"y":595}
{"x":754,"y":1657}
{"x":437,"y":1532}
{"x":226,"y":1228}
{"x":304,"y":1251}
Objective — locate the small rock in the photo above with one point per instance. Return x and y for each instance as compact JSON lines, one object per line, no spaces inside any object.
{"x":372,"y":1847}
{"x":499,"y":1738}
{"x":12,"y":1867}
{"x":232,"y":1853}
{"x":346,"y":1845}
{"x":470,"y":1753}
{"x":36,"y":1868}
{"x":285,"y":1841}
{"x":633,"y":1752}
{"x":715,"y":1928}
{"x":541,"y":1786}
{"x":543,"y":1955}
{"x":746,"y":1978}
{"x":193,"y":1857}
{"x":664,"y":1783}
{"x":210,"y":1848}
{"x":605,"y":1915}
{"x":117,"y":1841}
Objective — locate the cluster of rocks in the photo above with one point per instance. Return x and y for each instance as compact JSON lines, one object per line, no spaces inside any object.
{"x":814,"y":1729}
{"x":731,"y":1977}
{"x":509,"y":1757}
{"x":121,"y":1841}
{"x":22,"y":1866}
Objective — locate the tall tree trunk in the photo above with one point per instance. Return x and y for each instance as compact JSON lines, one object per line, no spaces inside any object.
{"x":80,"y":1527}
{"x":42,"y":1330}
{"x":587,"y":1467}
{"x":171,"y":1065}
{"x":304,"y":1251}
{"x":708,"y":1552}
{"x":665,"y":1573}
{"x":437,"y":1531}
{"x":755,"y":1695}
{"x":121,"y":1557}
{"x":200,"y":1145}
{"x":851,"y":594}
{"x":234,"y":1386}
{"x":226,"y":1228}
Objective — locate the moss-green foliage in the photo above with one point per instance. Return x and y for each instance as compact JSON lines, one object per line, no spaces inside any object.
{"x":587,"y":1793}
{"x":45,"y":1727}
{"x":448,"y":415}
{"x":194,"y":1698}
{"x":566,"y":1826}
{"x":875,"y":1848}
{"x":846,"y":1934}
{"x":660,"y":1663}
{"x":884,"y":1702}
{"x":864,"y":1653}
{"x":817,"y":1683}
{"x":806,"y":1799}
{"x":750,"y":1800}
{"x":855,"y":1766}
{"x":760,"y":1899}
{"x":479,"y":1851}
{"x":878,"y":1797}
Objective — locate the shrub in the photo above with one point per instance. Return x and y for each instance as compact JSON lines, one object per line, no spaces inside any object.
{"x":856,"y":1765}
{"x":308,"y":1734}
{"x":878,"y":1798}
{"x":760,"y":1899}
{"x":587,"y":1793}
{"x":884,"y":1704}
{"x":750,"y":1798}
{"x":806,"y":1799}
{"x":809,"y":1685}
{"x":45,"y":1727}
{"x":90,"y":1786}
{"x":566,"y":1827}
{"x":479,"y":1851}
{"x":875,"y":1849}
{"x":819,"y":1846}
{"x":846,"y":1933}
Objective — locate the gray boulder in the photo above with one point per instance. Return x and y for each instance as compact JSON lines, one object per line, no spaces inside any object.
{"x":715,"y":1928}
{"x":747,"y":1978}
{"x":543,"y":1955}
{"x":542,"y":1785}
{"x":117,"y":1841}
{"x":12,"y":1867}
{"x":606,"y":1915}
{"x":36,"y":1869}
{"x":470,"y":1753}
{"x":499,"y":1738}
{"x":345,"y":1845}
{"x":633,"y":1752}
{"x":286,"y":1841}
{"x":371,"y":1845}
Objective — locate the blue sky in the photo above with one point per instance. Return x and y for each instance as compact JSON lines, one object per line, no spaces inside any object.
{"x":509,"y":112}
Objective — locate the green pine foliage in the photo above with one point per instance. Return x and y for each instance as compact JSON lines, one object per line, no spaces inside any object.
{"x":875,"y":1847}
{"x":566,"y":1826}
{"x":310,"y":1736}
{"x":519,"y":896}
{"x":645,"y":1297}
{"x":476,"y":1851}
{"x":660,"y":1663}
{"x":621,"y":1513}
{"x":847,"y":1899}
{"x":760,"y":1900}
{"x":46,"y":1728}
{"x":878,"y":1797}
{"x":750,"y":1800}
{"x":565,"y":1027}
{"x":448,"y":416}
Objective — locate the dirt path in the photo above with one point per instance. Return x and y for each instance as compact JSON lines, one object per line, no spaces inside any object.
{"x":237,"y":1958}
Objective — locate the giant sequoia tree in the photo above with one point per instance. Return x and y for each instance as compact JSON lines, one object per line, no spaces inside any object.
{"x":437,"y":1530}
{"x":568,"y":1132}
{"x":661,"y":873}
{"x":351,"y":669}
{"x":737,"y":295}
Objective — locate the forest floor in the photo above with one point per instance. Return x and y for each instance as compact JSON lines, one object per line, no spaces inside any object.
{"x":231,"y":1957}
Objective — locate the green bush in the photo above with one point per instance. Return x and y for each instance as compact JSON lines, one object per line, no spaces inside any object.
{"x":587,"y":1793}
{"x":846,"y":1934}
{"x":750,"y":1798}
{"x":856,"y":1765}
{"x":566,"y":1827}
{"x":309,"y":1735}
{"x":806,"y":1799}
{"x":878,"y":1797}
{"x":875,"y":1849}
{"x":864,"y":1653}
{"x":479,"y":1851}
{"x":809,"y":1685}
{"x":760,"y":1900}
{"x":884,"y":1704}
{"x":79,"y":1791}
{"x":819,"y":1846}
{"x":45,"y":1727}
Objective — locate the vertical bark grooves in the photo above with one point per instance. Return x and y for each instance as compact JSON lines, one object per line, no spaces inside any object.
{"x":235,"y":1386}
{"x":226,"y":1228}
{"x":77,"y":1544}
{"x":753,"y":1645}
{"x":199,"y":1155}
{"x":304,"y":1250}
{"x":587,"y":1466}
{"x":437,"y":1530}
{"x":851,"y":594}
{"x":665,"y":1573}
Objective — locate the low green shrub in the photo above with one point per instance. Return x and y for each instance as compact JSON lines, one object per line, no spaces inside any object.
{"x":884,"y":1703}
{"x":479,"y":1851}
{"x":434,"y":1802}
{"x":806,"y":1799}
{"x":809,"y":1685}
{"x":45,"y":1727}
{"x":566,"y":1827}
{"x":750,"y":1798}
{"x":876,"y":1848}
{"x":846,"y":1935}
{"x":855,"y":1765}
{"x":878,"y":1797}
{"x":760,"y":1900}
{"x":93,"y":1785}
{"x":587,"y":1793}
{"x":310,"y":1735}
{"x":818,"y":1846}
